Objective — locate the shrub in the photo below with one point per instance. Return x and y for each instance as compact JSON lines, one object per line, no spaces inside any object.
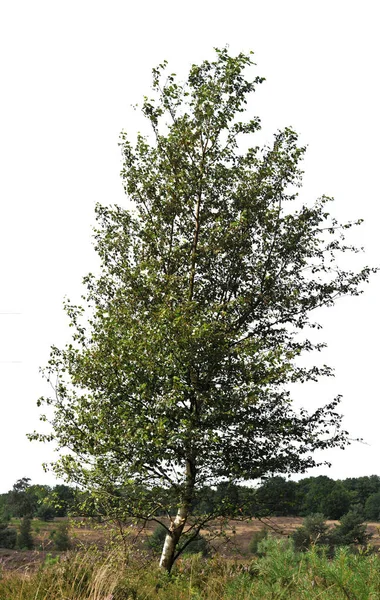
{"x":8,"y":537}
{"x":156,"y":540}
{"x":257,"y":537}
{"x":24,"y":539}
{"x":196,"y":546}
{"x":46,"y":512}
{"x":313,"y":532}
{"x":351,"y":531}
{"x":301,"y":539}
{"x":60,"y":536}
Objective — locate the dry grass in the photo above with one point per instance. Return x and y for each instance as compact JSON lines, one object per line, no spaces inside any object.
{"x":279,"y":574}
{"x":234,"y":544}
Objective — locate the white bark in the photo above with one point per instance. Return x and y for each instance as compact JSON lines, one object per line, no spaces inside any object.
{"x":172,"y":538}
{"x":178,"y":523}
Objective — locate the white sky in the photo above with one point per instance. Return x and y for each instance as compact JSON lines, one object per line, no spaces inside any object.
{"x":69,"y":73}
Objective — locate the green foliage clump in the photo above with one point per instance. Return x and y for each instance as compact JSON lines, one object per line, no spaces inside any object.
{"x":46,"y":512}
{"x":157,"y":538}
{"x":198,"y":545}
{"x":8,"y":537}
{"x":336,"y":503}
{"x":257,"y":537}
{"x":24,"y":538}
{"x":351,"y":531}
{"x":312,"y":492}
{"x":60,"y":536}
{"x":277,"y":496}
{"x":313,"y":532}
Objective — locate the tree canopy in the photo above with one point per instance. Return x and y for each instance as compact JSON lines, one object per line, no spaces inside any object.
{"x":184,"y":350}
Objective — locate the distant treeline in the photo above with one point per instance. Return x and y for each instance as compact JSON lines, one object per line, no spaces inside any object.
{"x":277,"y":496}
{"x":41,"y":501}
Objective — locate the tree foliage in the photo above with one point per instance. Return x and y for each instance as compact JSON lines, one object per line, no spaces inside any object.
{"x":35,"y":500}
{"x":372,"y":507}
{"x":337,"y":503}
{"x":278,"y":496}
{"x":179,"y":370}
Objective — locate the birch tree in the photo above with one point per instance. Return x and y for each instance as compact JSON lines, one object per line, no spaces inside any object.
{"x":187,"y":343}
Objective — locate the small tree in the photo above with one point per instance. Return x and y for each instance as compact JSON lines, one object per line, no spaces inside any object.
{"x":257,"y":538}
{"x":5,"y":511}
{"x":60,"y":536}
{"x":314,"y":532}
{"x":197,"y":545}
{"x":25,"y":539}
{"x":351,"y":531}
{"x":21,"y":499}
{"x":180,"y":377}
{"x":46,"y":512}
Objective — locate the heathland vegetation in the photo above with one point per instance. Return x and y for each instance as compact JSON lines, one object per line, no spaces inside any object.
{"x":270,"y":557}
{"x":45,"y":555}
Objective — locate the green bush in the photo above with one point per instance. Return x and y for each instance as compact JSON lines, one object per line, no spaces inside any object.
{"x":314,"y":531}
{"x":8,"y":537}
{"x":24,"y":538}
{"x":157,"y":538}
{"x":60,"y":536}
{"x":196,"y":546}
{"x":46,"y":512}
{"x":301,"y":539}
{"x":257,"y":537}
{"x":351,"y":531}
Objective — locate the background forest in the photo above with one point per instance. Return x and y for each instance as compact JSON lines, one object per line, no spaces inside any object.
{"x":277,"y":496}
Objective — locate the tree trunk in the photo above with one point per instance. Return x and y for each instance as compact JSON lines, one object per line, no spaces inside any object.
{"x":178,"y":523}
{"x":172,"y":538}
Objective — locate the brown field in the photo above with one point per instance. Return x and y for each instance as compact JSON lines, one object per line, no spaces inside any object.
{"x":233,"y":544}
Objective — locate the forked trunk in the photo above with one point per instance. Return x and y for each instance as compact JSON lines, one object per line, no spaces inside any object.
{"x":172,"y":539}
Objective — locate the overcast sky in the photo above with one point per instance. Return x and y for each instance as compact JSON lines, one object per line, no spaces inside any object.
{"x":69,"y":73}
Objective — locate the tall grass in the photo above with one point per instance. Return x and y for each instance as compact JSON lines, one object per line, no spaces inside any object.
{"x":279,"y":573}
{"x":87,"y":575}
